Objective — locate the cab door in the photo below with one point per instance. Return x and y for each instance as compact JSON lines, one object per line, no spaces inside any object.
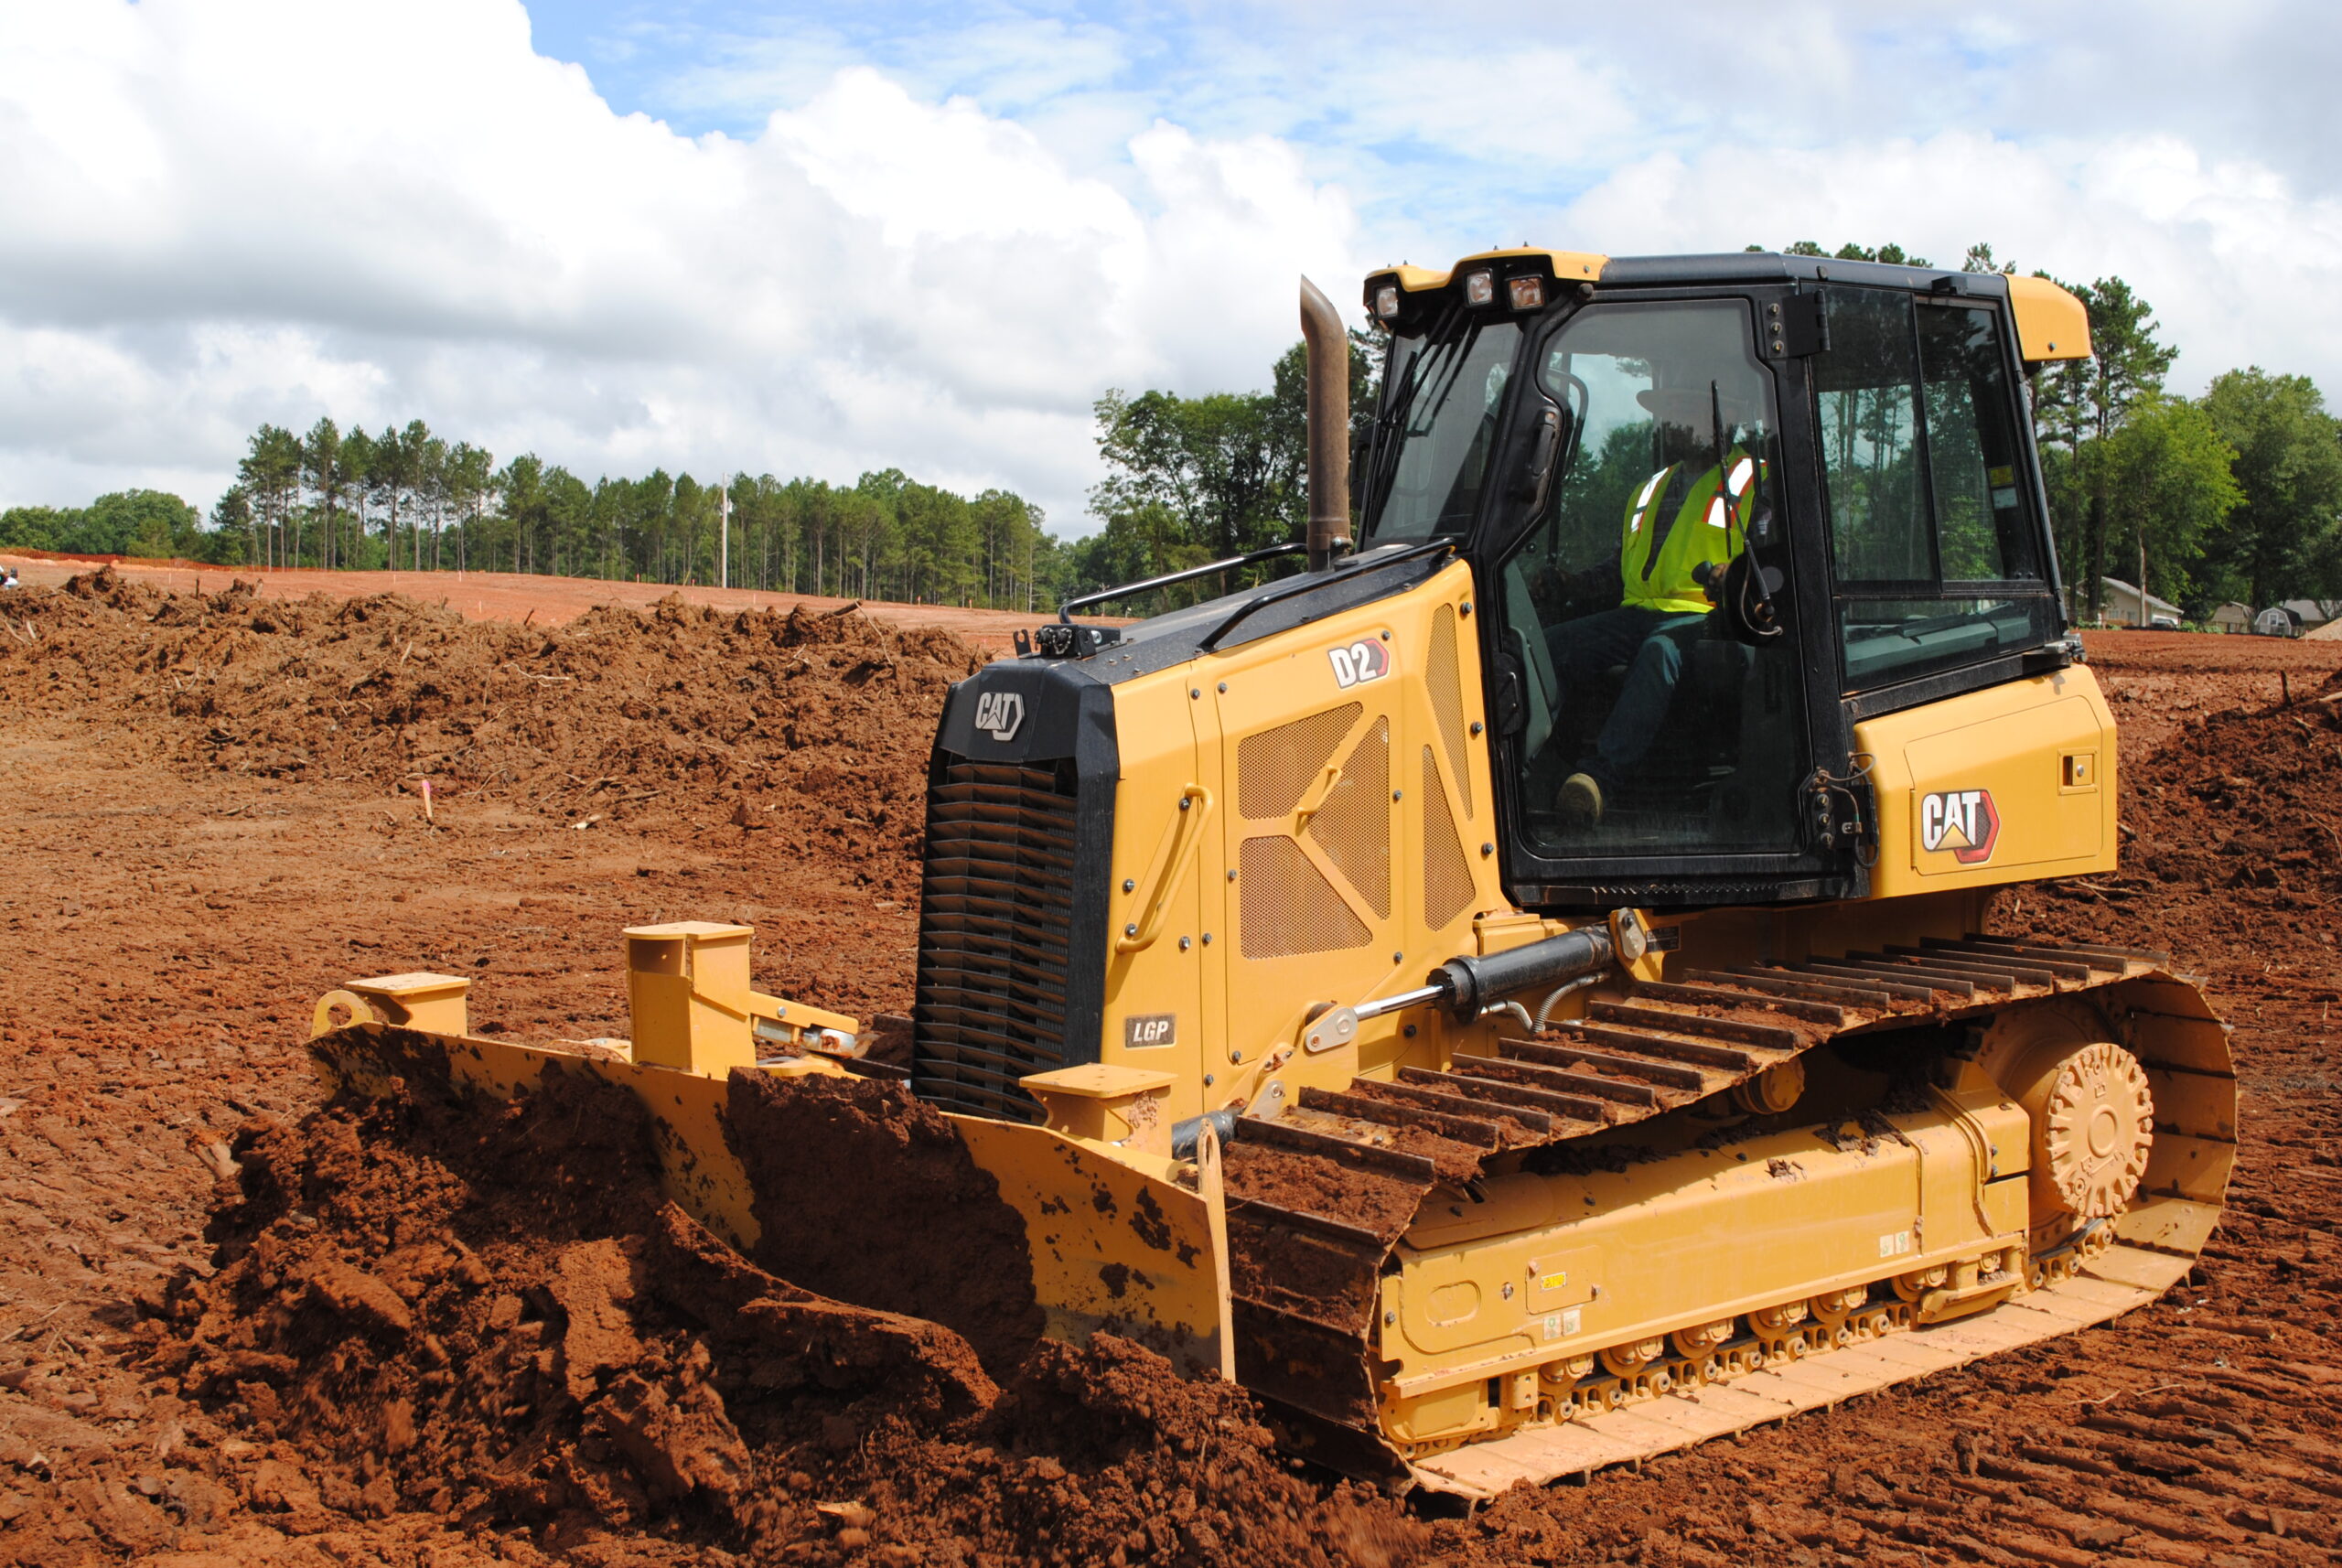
{"x":1655,"y":747}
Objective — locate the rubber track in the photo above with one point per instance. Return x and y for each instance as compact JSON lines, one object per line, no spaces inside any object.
{"x":1319,"y":1195}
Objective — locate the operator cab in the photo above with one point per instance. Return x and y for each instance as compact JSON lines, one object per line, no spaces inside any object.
{"x":1723,"y":508}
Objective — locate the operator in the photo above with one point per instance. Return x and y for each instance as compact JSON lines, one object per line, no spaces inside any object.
{"x":1677,"y":531}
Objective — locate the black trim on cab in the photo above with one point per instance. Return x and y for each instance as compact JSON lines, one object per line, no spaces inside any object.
{"x":2045,"y":659}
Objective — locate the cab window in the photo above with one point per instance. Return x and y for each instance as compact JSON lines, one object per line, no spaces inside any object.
{"x":1437,"y":430}
{"x":1936,"y":554}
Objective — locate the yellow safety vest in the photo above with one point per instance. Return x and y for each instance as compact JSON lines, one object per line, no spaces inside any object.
{"x":1656,"y":566}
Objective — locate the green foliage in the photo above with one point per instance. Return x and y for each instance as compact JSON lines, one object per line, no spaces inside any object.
{"x":2285,"y":539}
{"x":152,"y":524}
{"x":1892,"y":255}
{"x":411,"y":499}
{"x":1980,"y":259}
{"x":1191,"y":480}
{"x":30,"y":527}
{"x":2165,"y":474}
{"x":2078,"y":402}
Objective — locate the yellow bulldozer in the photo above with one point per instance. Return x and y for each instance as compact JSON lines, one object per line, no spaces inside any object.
{"x":1531,"y":963}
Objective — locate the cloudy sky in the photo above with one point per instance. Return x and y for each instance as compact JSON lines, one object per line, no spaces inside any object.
{"x":722,"y":234}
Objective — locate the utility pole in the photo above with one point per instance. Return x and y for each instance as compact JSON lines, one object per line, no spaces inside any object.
{"x":723,"y":550}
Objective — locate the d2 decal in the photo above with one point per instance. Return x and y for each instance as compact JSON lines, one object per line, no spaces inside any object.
{"x":1963,"y":822}
{"x":1368,"y":659}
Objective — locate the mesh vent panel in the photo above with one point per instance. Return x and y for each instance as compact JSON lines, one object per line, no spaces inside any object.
{"x":995,"y":915}
{"x":1447,"y":877}
{"x":1275,"y":767}
{"x":1285,"y":906}
{"x":1353,"y":827}
{"x":1442,"y":674}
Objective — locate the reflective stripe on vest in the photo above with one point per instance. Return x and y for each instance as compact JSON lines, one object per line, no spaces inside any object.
{"x":1656,"y":565}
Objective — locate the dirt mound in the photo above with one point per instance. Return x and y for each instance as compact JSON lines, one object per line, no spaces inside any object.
{"x":809,"y":730}
{"x":2231,"y":829}
{"x":483,"y":1310}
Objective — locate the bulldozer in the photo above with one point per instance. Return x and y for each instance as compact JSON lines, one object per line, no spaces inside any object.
{"x":1518,"y":993}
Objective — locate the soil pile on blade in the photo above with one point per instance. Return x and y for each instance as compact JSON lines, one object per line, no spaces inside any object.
{"x":484,"y":1310}
{"x":812,"y":728}
{"x":867,"y":1194}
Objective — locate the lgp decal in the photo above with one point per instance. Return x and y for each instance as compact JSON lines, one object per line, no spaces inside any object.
{"x":1151,"y":1029}
{"x":999,"y":713}
{"x":1961,"y":821}
{"x":1368,"y":659}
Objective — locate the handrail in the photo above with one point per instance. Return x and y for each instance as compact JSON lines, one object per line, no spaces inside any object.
{"x":1290,"y":547}
{"x":1210,"y":639}
{"x":1194,"y":805}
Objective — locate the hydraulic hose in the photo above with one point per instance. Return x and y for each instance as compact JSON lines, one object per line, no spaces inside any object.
{"x":1185,"y":1135}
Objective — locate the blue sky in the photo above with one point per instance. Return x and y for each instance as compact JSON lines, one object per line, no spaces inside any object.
{"x":805,"y":239}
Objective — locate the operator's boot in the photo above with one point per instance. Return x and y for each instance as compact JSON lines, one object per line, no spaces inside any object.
{"x":1581,"y":801}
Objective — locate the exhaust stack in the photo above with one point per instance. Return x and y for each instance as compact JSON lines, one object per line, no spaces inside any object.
{"x":1330,"y":427}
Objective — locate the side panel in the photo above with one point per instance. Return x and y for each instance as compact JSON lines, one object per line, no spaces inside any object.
{"x":1157,"y":948}
{"x":2003,"y":785}
{"x":1356,"y":829}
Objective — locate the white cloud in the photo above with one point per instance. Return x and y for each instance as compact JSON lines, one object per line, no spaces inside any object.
{"x":224,"y":212}
{"x":2227,"y":253}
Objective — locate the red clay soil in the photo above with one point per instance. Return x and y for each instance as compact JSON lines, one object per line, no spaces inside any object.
{"x":520,"y":597}
{"x":481,"y":1339}
{"x":919,"y":1230}
{"x":810,"y":728}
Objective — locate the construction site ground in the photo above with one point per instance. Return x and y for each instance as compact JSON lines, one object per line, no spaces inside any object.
{"x":233,"y":1331}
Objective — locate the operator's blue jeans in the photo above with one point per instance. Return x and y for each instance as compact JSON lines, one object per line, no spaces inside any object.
{"x":1650,"y":644}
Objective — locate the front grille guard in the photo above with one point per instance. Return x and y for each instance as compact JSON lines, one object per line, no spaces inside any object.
{"x":996,"y":919}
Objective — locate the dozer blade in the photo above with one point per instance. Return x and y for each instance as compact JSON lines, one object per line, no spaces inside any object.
{"x":1121,"y":1243}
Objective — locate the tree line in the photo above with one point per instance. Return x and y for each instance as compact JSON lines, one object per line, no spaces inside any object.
{"x":412,"y":500}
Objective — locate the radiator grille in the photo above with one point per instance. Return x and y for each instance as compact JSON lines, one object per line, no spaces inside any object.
{"x":1285,"y":906}
{"x":1447,"y":875}
{"x":1353,"y":827}
{"x":1445,"y":681}
{"x":995,"y":923}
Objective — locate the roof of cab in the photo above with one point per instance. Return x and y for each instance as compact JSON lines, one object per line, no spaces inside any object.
{"x":2051,"y":324}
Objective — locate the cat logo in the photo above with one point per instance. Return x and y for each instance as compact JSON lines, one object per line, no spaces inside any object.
{"x":999,"y":713}
{"x":1963,"y":822}
{"x":1365,"y":660}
